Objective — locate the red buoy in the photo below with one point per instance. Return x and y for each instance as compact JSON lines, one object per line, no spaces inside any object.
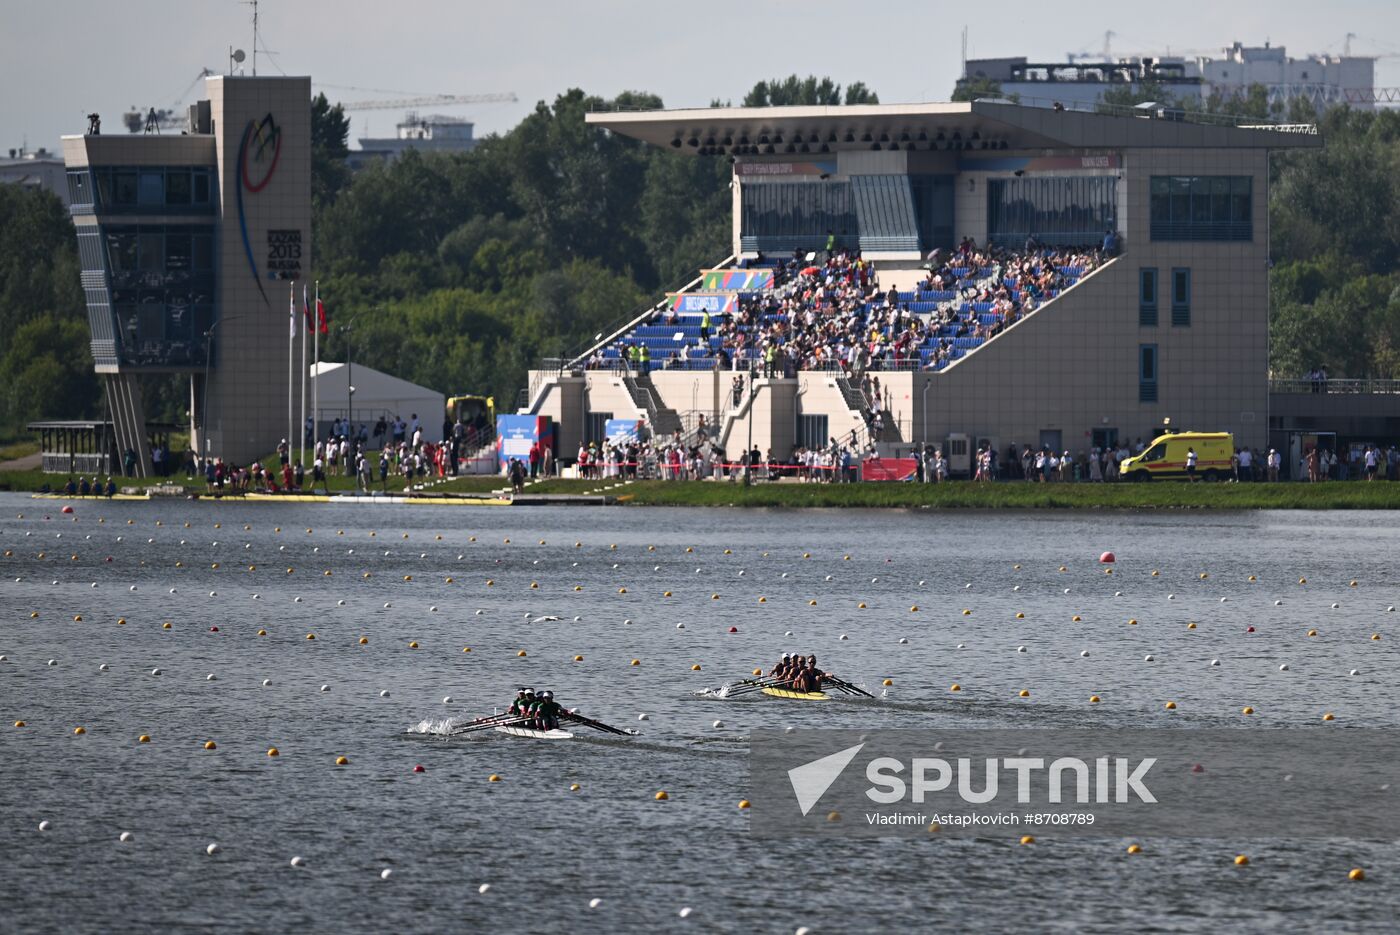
{"x":1249,"y":630}
{"x":68,"y":509}
{"x":1107,"y":558}
{"x":213,"y":629}
{"x":1198,"y":768}
{"x":419,"y":768}
{"x":733,"y":629}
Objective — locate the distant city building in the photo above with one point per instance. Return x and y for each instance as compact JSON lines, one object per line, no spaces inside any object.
{"x":432,"y":133}
{"x":1325,"y":80}
{"x":37,"y":169}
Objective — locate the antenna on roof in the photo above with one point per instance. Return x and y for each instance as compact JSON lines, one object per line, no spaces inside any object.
{"x":254,"y":5}
{"x":964,"y":51}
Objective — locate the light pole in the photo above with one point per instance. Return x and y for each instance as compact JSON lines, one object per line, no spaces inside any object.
{"x":204,"y":403}
{"x":347,"y":330}
{"x":754,"y":387}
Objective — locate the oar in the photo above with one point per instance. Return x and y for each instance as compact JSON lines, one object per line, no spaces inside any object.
{"x":596,"y":725}
{"x":846,"y":686}
{"x":739,"y":687}
{"x":486,"y":723}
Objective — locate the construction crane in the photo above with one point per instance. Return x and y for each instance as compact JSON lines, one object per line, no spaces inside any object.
{"x":432,"y":100}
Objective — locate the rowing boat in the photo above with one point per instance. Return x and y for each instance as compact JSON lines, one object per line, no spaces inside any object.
{"x":555,"y":734}
{"x":789,"y":693}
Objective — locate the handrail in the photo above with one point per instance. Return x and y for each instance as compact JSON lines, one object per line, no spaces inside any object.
{"x":1335,"y":386}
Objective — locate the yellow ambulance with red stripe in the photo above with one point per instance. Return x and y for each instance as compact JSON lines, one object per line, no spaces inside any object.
{"x":1167,"y":457}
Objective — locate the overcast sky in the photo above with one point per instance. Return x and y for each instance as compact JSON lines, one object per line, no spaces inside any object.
{"x":60,"y":59}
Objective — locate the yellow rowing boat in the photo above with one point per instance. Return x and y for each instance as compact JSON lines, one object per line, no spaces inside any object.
{"x":789,"y":693}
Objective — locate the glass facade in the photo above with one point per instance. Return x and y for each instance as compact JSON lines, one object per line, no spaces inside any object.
{"x":933,"y":207}
{"x":1202,"y":207}
{"x":778,"y":216}
{"x":1057,"y":211}
{"x":150,"y":287}
{"x":151,"y":189}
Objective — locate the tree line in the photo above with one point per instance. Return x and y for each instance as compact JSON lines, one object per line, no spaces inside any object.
{"x":459,"y":271}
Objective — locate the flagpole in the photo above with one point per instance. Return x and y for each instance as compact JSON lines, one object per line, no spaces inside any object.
{"x":316,"y":387}
{"x":302,"y":425}
{"x":291,"y":366}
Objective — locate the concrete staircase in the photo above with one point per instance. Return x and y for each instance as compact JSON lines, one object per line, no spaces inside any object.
{"x":664,"y":422}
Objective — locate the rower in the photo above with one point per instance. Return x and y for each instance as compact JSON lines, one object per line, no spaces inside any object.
{"x":517,"y":707}
{"x":777,"y":670}
{"x":547,"y":712}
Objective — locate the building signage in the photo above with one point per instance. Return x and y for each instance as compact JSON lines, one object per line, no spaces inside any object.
{"x":1078,"y":163}
{"x":736,"y":280}
{"x":694,"y":303}
{"x":284,"y":254}
{"x":760,"y":169}
{"x":259,"y":150}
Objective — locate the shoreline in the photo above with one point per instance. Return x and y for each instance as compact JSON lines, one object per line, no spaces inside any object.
{"x":951,"y":495}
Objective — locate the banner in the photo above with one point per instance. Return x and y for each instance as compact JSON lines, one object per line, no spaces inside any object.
{"x":693,"y":303}
{"x":620,"y":431}
{"x":889,"y":469}
{"x":736,"y":280}
{"x":746,"y":169}
{"x":516,"y":435}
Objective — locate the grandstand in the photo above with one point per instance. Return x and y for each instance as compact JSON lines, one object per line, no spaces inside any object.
{"x":950,"y":274}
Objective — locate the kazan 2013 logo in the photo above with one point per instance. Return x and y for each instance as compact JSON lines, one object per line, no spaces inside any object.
{"x":258,"y":153}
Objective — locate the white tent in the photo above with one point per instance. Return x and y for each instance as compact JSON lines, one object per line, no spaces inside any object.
{"x":377,"y":395}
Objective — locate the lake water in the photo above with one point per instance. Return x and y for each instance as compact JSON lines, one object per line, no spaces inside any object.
{"x":547,"y":851}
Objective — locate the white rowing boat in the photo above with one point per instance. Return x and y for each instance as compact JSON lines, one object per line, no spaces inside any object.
{"x":555,"y":734}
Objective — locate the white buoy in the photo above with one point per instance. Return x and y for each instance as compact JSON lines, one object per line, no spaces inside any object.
{"x":1283,"y":667}
{"x":212,"y":849}
{"x":829,"y":577}
{"x":447,"y":699}
{"x":1149,"y":658}
{"x":386,"y":873}
{"x":44,"y":826}
{"x":962,"y":646}
{"x":125,"y":836}
{"x":210,"y":678}
{"x":296,"y":600}
{"x":1354,"y":672}
{"x":1215,"y":662}
{"x":717,"y":724}
{"x":432,"y":609}
{"x":643,"y":717}
{"x":1117,"y":593}
{"x":577,"y":619}
{"x":53,"y":662}
{"x":388,"y":604}
{"x":384,"y":693}
{"x":1335,"y":606}
{"x":1171,"y":597}
{"x":257,"y":597}
{"x":1066,"y":590}
{"x":787,"y":633}
{"x":267,"y":682}
{"x":685,"y":912}
{"x":1224,"y":600}
{"x":102,"y":667}
{"x":1278,"y":603}
{"x":297,"y":861}
{"x":1015,"y":587}
{"x":594,"y":903}
{"x":325,"y":688}
{"x":155,"y":671}
{"x":627,"y":623}
{"x":1020,"y":649}
{"x":340,"y":603}
{"x":133,"y":587}
{"x":1084,"y":653}
{"x":844,"y":636}
{"x":921,"y":582}
{"x":480,"y":612}
{"x":680,"y":626}
{"x":903,"y":640}
{"x":484,"y":888}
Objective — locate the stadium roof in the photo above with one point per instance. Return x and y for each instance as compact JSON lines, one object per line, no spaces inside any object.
{"x":982,"y":124}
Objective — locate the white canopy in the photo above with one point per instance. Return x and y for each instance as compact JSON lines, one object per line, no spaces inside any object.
{"x":377,"y":395}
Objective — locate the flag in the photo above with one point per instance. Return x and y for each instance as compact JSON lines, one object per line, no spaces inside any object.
{"x":322,"y":317}
{"x":292,"y":311}
{"x":306,"y":307}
